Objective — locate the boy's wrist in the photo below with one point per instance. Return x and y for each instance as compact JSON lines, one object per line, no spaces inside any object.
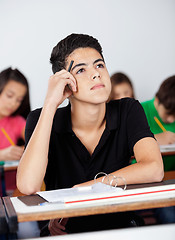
{"x":49,"y":107}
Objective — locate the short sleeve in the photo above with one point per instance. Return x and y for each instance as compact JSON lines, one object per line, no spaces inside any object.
{"x":137,"y":125}
{"x":32,"y":120}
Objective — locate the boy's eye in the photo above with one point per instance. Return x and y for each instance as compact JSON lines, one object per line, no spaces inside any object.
{"x":80,"y":70}
{"x":100,"y":65}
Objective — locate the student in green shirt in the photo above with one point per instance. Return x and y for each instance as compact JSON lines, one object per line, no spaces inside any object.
{"x":162,"y":106}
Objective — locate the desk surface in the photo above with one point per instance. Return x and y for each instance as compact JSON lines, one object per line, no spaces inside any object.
{"x":92,"y":210}
{"x":23,"y":217}
{"x":11,"y":165}
{"x":169,"y":175}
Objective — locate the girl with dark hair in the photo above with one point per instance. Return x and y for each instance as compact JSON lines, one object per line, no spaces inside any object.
{"x":14,"y":108}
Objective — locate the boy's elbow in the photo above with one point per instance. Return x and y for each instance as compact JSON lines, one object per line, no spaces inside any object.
{"x":25,"y":188}
{"x":158,"y":172}
{"x":159,"y":176}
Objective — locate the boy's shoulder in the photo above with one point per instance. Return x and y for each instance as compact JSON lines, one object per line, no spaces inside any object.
{"x":121,"y":103}
{"x":36,"y":113}
{"x":60,"y":115}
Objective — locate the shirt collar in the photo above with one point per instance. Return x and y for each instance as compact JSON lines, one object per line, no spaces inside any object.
{"x":62,"y":118}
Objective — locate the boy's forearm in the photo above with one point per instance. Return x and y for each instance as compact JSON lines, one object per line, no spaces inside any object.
{"x":33,"y":163}
{"x":149,"y":166}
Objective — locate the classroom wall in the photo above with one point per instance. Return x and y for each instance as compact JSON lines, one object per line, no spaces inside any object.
{"x":137,"y":37}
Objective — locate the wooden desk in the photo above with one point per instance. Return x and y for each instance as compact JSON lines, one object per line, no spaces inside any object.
{"x":95,"y":210}
{"x":8,"y":173}
{"x":11,"y":165}
{"x":92,"y":210}
{"x":3,"y":222}
{"x":169,"y":175}
{"x":172,"y":153}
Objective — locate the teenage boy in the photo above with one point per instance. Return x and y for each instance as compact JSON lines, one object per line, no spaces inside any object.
{"x":68,"y":146}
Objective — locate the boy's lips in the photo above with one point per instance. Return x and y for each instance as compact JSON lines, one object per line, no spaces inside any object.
{"x":97,"y":86}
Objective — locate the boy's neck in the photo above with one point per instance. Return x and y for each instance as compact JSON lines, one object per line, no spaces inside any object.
{"x":88,"y":116}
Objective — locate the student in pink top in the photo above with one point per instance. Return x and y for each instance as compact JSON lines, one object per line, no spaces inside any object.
{"x":14,"y":108}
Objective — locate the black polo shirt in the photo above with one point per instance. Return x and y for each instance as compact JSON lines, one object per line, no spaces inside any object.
{"x":70,"y":163}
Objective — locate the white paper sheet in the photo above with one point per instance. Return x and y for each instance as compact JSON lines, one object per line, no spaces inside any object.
{"x":61,"y":194}
{"x":167,"y":148}
{"x":75,"y":197}
{"x":12,"y":163}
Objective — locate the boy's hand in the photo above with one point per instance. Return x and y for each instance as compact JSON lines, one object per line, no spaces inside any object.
{"x":58,"y":89}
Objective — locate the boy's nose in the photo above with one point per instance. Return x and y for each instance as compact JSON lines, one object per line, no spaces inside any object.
{"x":95,"y":75}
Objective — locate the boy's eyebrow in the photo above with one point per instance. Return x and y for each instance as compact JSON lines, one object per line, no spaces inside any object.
{"x":84,"y":64}
{"x":78,"y":65}
{"x":98,"y":60}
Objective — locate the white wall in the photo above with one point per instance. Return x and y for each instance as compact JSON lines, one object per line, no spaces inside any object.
{"x":137,"y":36}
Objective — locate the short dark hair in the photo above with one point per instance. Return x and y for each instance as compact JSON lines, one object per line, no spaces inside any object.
{"x":119,"y":77}
{"x":66,"y":46}
{"x":14,"y":74}
{"x":166,"y":94}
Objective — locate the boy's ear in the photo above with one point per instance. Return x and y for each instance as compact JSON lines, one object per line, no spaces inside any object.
{"x":156,"y":101}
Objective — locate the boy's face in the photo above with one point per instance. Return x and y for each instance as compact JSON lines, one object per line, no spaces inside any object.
{"x":164,"y":115}
{"x":90,"y":72}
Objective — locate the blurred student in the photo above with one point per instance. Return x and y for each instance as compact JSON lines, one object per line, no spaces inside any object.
{"x":160,"y":113}
{"x":121,"y":86}
{"x":14,"y":108}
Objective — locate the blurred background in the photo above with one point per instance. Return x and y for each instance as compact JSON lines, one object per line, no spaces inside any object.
{"x":137,"y":36}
